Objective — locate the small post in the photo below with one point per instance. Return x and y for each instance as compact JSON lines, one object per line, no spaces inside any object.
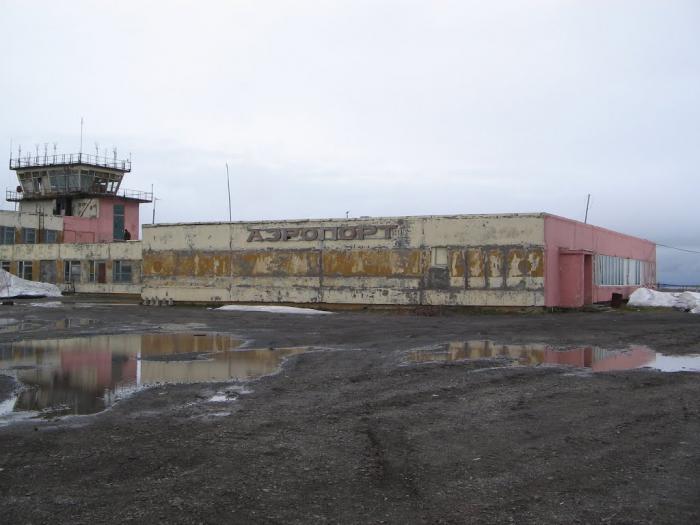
{"x":228,"y":183}
{"x":588,"y":201}
{"x":81,"y":136}
{"x":153,"y":220}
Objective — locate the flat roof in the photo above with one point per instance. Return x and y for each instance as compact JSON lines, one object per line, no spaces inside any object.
{"x":356,"y":219}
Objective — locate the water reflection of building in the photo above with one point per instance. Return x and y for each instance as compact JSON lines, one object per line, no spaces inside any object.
{"x":84,"y":373}
{"x":597,"y":359}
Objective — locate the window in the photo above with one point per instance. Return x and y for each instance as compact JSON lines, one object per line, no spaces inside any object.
{"x":50,"y":236}
{"x":29,"y":235}
{"x":98,"y":273}
{"x":438,"y":257}
{"x":25,"y":270}
{"x":47,"y":271}
{"x":71,"y":272}
{"x":617,"y":271}
{"x":118,"y":224}
{"x":122,"y":272}
{"x":5,"y":265}
{"x":7,"y":235}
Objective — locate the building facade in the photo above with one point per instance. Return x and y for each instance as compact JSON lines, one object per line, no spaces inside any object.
{"x":77,"y":228}
{"x":73,"y":224}
{"x":467,"y":260}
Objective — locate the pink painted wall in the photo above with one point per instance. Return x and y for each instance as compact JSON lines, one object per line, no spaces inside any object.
{"x":566,"y":276}
{"x":100,"y":229}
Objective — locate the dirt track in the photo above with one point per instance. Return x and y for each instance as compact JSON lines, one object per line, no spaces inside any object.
{"x":355,"y":435}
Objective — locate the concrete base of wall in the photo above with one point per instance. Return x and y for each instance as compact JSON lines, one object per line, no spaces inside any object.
{"x":427,"y":310}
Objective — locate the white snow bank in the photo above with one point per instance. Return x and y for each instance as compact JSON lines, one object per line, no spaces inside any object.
{"x":685,"y":301}
{"x":271,"y":309}
{"x":13,"y":286}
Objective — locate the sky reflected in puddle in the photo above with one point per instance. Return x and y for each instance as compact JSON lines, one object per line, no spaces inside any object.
{"x":587,"y":357}
{"x":85,"y":375}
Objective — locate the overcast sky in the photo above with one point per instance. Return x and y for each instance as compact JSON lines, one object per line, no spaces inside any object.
{"x":374,"y":107}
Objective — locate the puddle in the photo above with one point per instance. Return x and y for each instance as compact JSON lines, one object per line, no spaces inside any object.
{"x":62,"y":324}
{"x":85,"y":375}
{"x":14,"y":325}
{"x":588,"y":357}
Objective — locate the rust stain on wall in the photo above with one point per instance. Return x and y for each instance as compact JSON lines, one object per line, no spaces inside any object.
{"x":375,"y":263}
{"x":208,"y":265}
{"x":518,"y":264}
{"x":276,"y":263}
{"x":535,"y":257}
{"x":186,"y":264}
{"x":475,"y":262}
{"x":161,"y":264}
{"x":457,"y":263}
{"x":495,"y":262}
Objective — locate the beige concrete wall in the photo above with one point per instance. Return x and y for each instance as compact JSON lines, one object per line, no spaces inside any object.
{"x":30,"y":220}
{"x":60,"y":253}
{"x":457,"y":260}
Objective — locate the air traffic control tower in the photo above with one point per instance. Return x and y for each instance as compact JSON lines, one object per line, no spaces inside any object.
{"x":84,"y":191}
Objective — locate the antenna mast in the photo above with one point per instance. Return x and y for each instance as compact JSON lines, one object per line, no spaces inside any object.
{"x":228,"y":183}
{"x":588,"y":201}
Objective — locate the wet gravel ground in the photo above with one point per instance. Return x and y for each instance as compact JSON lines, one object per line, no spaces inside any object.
{"x":353,"y":434}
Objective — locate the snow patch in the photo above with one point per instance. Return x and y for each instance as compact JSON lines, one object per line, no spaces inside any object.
{"x":271,"y":309}
{"x":688,"y":301}
{"x":13,"y":286}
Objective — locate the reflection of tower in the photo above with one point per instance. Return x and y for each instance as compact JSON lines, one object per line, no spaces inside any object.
{"x":73,"y":372}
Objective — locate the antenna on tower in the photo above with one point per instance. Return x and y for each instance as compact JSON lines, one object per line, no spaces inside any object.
{"x":114,"y":152}
{"x":55,"y":145}
{"x":46,"y":151}
{"x":81,"y":135}
{"x":97,"y":149}
{"x":36,"y":148}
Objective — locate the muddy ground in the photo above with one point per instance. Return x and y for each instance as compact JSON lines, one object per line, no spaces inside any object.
{"x":354,"y":435}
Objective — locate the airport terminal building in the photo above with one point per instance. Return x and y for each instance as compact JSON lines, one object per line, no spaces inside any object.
{"x":77,"y":228}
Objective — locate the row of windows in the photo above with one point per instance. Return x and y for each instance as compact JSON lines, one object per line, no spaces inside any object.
{"x":96,"y":271}
{"x":617,"y":271}
{"x":29,"y":235}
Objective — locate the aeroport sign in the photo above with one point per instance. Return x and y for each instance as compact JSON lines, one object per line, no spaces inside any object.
{"x":322,"y":233}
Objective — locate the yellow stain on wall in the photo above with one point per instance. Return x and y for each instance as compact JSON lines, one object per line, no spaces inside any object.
{"x":475,"y":262}
{"x":276,"y":263}
{"x":375,"y":263}
{"x":457,"y":263}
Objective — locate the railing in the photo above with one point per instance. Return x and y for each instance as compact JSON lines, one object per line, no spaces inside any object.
{"x":39,"y":161}
{"x":16,"y":196}
{"x":136,"y":194}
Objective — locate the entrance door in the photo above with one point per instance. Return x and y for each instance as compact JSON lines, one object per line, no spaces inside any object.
{"x":571,"y":289}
